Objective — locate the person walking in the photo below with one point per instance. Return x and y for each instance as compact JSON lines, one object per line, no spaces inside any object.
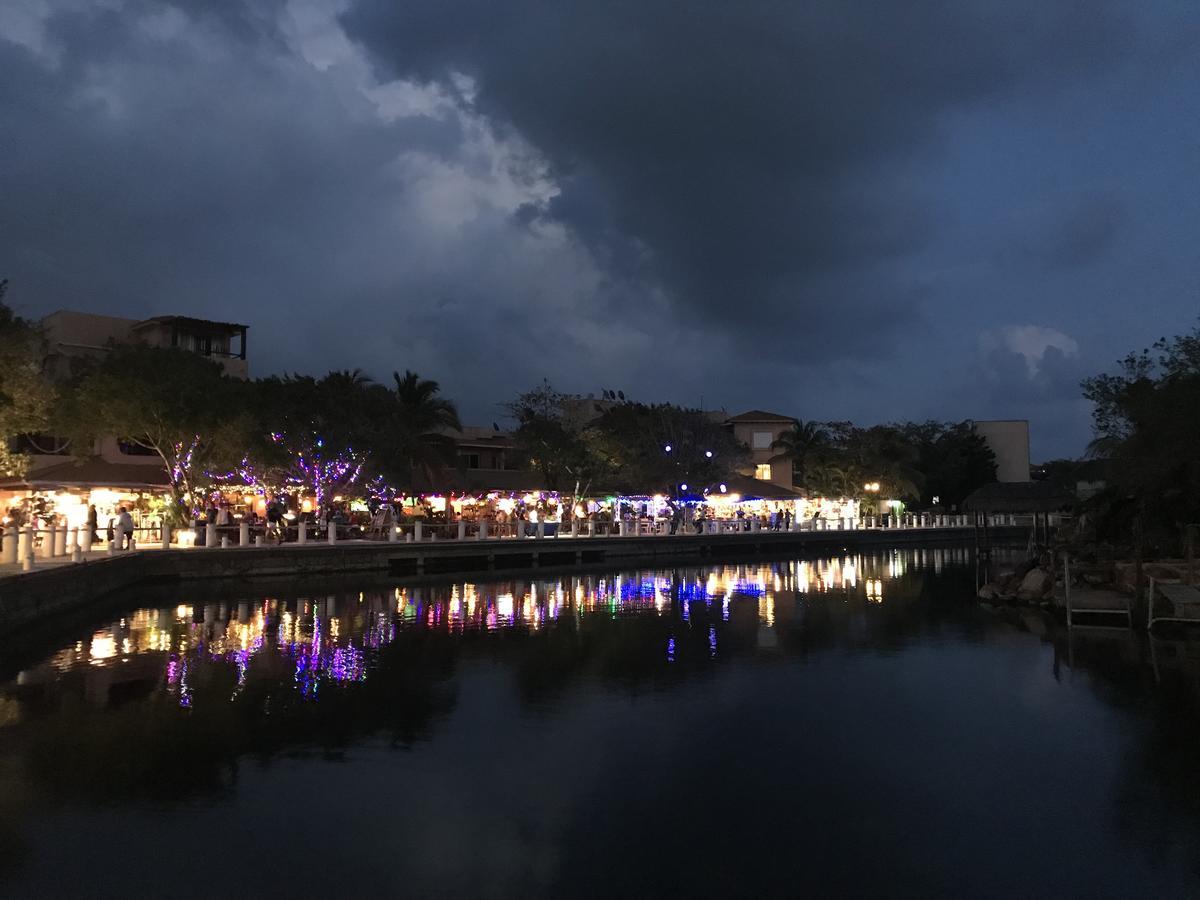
{"x":125,"y":529}
{"x":92,"y":522}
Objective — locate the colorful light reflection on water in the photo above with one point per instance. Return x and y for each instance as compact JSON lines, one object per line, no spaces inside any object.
{"x":332,"y":639}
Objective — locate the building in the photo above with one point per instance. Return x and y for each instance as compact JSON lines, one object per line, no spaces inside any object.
{"x":74,"y":334}
{"x":480,"y":448}
{"x":114,"y":469}
{"x":1009,"y":441}
{"x":759,"y":430}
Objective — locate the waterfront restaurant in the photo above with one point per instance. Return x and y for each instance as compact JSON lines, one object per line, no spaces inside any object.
{"x":64,"y":492}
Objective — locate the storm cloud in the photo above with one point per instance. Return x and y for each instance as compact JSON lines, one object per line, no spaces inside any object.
{"x":818,"y":208}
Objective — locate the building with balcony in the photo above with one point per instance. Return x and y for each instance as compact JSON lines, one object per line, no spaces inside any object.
{"x":759,"y":430}
{"x":71,"y":335}
{"x":113,"y":464}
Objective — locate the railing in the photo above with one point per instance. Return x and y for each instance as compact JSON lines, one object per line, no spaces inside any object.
{"x":26,"y":545}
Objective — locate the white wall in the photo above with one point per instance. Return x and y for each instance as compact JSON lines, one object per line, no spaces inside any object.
{"x":1009,"y":440}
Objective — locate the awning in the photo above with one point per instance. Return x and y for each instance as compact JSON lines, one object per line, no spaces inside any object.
{"x":88,"y":474}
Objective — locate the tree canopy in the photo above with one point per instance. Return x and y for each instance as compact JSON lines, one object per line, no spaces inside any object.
{"x":26,"y":398}
{"x":1144,"y":420}
{"x":173,"y":403}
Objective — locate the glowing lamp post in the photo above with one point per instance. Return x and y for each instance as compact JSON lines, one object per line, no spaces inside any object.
{"x":872,"y":487}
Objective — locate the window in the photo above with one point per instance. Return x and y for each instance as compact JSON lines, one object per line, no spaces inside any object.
{"x":129,"y":448}
{"x":762,"y":472}
{"x":44,"y":444}
{"x":762,"y":440}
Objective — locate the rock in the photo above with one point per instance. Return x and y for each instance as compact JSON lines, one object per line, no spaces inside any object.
{"x":1036,"y":584}
{"x":988,"y":592}
{"x":1024,"y":569}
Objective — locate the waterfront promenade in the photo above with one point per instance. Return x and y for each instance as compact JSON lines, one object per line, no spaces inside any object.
{"x":59,"y":585}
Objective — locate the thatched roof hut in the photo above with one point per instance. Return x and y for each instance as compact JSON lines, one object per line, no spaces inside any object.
{"x":1019,"y":497}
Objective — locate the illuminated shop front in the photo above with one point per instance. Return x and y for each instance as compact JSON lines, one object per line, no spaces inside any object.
{"x":63,"y":494}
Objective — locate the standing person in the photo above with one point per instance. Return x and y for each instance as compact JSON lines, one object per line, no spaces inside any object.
{"x":274,"y":517}
{"x":92,"y":521}
{"x":125,"y":527}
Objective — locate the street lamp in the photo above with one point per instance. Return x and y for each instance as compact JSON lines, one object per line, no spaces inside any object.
{"x":872,"y":487}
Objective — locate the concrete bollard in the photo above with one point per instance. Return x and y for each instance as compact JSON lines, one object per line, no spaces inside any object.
{"x":85,"y":540}
{"x":541,"y":530}
{"x":418,"y":530}
{"x":332,"y":533}
{"x":210,"y":536}
{"x":574,"y":527}
{"x":166,"y":535}
{"x":624,"y":528}
{"x":72,"y":541}
{"x":24,"y":543}
{"x":258,"y":540}
{"x":224,"y":542}
{"x":482,"y":534}
{"x":47,"y":543}
{"x":8,"y":552}
{"x":591,"y":528}
{"x":393,"y":533}
{"x":244,"y":534}
{"x":60,"y":540}
{"x":302,"y":532}
{"x":110,"y":547}
{"x":462,"y":529}
{"x":27,"y":564}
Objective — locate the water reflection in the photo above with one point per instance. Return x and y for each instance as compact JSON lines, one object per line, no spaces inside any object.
{"x":544,"y":715}
{"x":335,"y":638}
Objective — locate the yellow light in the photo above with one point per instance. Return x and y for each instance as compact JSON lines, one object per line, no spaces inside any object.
{"x":104,"y":646}
{"x":306,"y":505}
{"x":186,"y":538}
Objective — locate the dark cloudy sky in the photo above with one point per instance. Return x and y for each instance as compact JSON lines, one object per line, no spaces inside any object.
{"x":929,"y":208}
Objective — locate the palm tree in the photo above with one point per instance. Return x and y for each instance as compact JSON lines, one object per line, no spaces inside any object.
{"x":422,"y":408}
{"x":801,"y":444}
{"x":419,"y":425}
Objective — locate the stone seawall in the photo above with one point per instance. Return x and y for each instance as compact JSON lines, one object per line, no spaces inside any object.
{"x":36,"y":596}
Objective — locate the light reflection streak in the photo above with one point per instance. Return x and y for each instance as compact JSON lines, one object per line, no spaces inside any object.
{"x":325,"y":647}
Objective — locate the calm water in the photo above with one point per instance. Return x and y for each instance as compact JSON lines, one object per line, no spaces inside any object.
{"x":844,"y":726}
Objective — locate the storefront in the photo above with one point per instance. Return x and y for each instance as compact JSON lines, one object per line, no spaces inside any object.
{"x":63,"y":493}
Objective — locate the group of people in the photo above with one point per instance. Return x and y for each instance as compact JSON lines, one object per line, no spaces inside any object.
{"x":272,"y":521}
{"x":119,"y":529}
